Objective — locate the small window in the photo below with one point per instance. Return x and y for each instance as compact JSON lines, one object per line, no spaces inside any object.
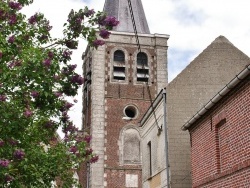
{"x":142,"y":60}
{"x":150,"y":159}
{"x":119,"y":56}
{"x":131,"y":146}
{"x":142,"y":67}
{"x":119,"y":66}
{"x":131,"y":111}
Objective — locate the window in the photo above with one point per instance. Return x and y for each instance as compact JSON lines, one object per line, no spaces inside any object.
{"x":131,"y":111}
{"x":119,"y":56}
{"x":131,"y":146}
{"x":150,"y":158}
{"x":119,"y":65}
{"x":142,"y":67}
{"x":221,"y":141}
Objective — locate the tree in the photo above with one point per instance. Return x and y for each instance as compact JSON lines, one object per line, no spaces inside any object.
{"x":35,"y":80}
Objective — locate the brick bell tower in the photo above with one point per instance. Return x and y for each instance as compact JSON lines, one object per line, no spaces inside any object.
{"x":120,"y":83}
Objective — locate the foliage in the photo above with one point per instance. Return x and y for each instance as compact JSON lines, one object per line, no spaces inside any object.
{"x":35,"y":79}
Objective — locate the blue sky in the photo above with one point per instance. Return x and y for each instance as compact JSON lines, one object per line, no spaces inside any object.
{"x":191,"y":24}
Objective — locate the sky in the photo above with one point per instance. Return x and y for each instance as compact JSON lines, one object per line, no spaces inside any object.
{"x":191,"y":24}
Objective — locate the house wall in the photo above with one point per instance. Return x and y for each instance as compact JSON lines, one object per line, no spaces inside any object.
{"x":220,"y":142}
{"x":189,"y":91}
{"x":150,"y":133}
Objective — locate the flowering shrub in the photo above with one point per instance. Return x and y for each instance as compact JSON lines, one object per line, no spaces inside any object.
{"x":35,"y":79}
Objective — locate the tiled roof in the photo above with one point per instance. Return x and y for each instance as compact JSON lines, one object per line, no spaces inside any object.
{"x":120,"y":10}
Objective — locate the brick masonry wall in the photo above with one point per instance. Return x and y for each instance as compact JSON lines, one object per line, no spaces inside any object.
{"x":220,"y":151}
{"x":118,"y":95}
{"x":189,"y":91}
{"x":109,"y":97}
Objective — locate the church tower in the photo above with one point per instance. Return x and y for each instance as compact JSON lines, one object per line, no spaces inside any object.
{"x":121,"y":81}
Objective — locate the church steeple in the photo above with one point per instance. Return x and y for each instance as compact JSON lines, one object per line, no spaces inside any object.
{"x":120,"y":10}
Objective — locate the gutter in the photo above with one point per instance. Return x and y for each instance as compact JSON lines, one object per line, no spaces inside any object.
{"x":164,"y":94}
{"x":243,"y":74}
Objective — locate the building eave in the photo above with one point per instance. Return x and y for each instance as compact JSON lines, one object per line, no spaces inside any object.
{"x":151,"y":108}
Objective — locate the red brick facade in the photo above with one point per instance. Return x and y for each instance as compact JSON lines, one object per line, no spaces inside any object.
{"x":220,"y":142}
{"x":118,"y":96}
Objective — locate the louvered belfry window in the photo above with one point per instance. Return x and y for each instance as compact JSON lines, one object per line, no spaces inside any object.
{"x":119,"y":72}
{"x":142,"y":67}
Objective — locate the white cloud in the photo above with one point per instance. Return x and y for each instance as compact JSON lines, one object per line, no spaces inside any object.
{"x":191,"y":24}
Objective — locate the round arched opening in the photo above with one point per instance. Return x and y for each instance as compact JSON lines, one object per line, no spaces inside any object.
{"x":131,"y":111}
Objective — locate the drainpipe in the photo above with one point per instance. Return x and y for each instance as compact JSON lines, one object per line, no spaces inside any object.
{"x":166,"y":134}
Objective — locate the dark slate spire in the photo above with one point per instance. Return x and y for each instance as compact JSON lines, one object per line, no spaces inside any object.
{"x":120,"y":10}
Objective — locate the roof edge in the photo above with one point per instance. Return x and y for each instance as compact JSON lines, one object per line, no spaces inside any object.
{"x":243,"y":74}
{"x":152,"y":107}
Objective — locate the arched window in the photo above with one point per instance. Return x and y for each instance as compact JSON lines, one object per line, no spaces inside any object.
{"x":119,"y":56}
{"x":131,"y":146}
{"x":119,"y":65}
{"x":142,"y":67}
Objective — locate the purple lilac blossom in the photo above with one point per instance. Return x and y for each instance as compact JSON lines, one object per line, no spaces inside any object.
{"x":111,"y":21}
{"x":15,"y":63}
{"x":11,"y":39}
{"x":104,"y":34}
{"x":58,"y":94}
{"x":73,"y":149}
{"x":87,"y":139}
{"x":34,"y":94}
{"x":78,"y":20}
{"x":57,"y":77}
{"x":77,"y":79}
{"x":27,"y":113}
{"x":94,"y":159}
{"x":71,"y":44}
{"x":8,"y":178}
{"x":33,"y":19}
{"x":19,"y":154}
{"x":47,"y":27}
{"x":65,"y":117}
{"x":66,"y":138}
{"x":88,"y":151}
{"x":68,"y":105}
{"x":13,"y":142}
{"x":43,"y":38}
{"x":2,"y":14}
{"x":12,"y":19}
{"x":15,"y":5}
{"x":1,"y":143}
{"x":89,"y":13}
{"x":72,"y":67}
{"x":97,"y":43}
{"x":49,"y":124}
{"x":47,"y":62}
{"x":50,"y":54}
{"x":70,"y":128}
{"x":4,"y":162}
{"x":67,"y":54}
{"x":3,"y":98}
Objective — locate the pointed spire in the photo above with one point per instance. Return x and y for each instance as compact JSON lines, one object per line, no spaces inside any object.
{"x":120,"y":10}
{"x":221,"y":39}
